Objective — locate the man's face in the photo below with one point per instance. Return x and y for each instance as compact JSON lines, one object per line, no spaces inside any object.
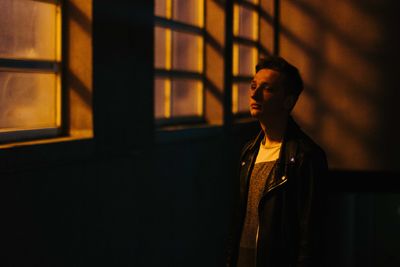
{"x":266,"y":95}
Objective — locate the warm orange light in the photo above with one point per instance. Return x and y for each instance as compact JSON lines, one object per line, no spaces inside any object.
{"x":235,"y":59}
{"x":235,"y":98}
{"x":168,"y":60}
{"x":168,"y":11}
{"x":255,"y":57}
{"x":58,"y":59}
{"x":200,"y":45}
{"x":235,"y":20}
{"x":167,"y":98}
{"x":255,"y":25}
{"x":200,"y":98}
{"x":200,"y":9}
{"x":168,"y":48}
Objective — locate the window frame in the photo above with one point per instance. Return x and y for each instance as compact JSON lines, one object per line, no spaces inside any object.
{"x":255,"y":44}
{"x":69,"y":141}
{"x":268,"y":14}
{"x":170,"y":73}
{"x":26,"y":65}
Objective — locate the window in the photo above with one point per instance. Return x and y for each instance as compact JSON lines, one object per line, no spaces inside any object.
{"x":178,"y":61}
{"x":30,"y":72}
{"x":205,"y":56}
{"x":45,"y":97}
{"x":252,"y":38}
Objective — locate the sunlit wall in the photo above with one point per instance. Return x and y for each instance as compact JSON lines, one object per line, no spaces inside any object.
{"x":346,"y":51}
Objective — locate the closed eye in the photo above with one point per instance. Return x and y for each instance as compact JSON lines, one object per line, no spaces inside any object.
{"x":263,"y":86}
{"x":268,"y":87}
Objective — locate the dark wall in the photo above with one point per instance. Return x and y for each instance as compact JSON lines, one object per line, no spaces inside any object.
{"x":75,"y":214}
{"x":79,"y":203}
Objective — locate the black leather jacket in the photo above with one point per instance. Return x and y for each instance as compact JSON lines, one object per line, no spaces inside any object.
{"x":290,"y":208}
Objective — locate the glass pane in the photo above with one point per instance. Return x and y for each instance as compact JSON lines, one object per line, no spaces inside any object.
{"x":160,"y":43}
{"x":247,"y":60}
{"x":243,"y":97}
{"x":187,"y":51}
{"x":159,"y":97}
{"x":186,"y":97}
{"x":28,"y":100}
{"x":188,"y":11}
{"x":28,"y":30}
{"x":160,"y":8}
{"x":248,"y":23}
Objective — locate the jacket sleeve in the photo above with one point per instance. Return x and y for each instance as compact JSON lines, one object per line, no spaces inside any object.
{"x":310,"y":207}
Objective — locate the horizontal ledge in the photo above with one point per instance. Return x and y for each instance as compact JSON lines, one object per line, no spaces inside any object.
{"x":45,"y":141}
{"x":16,"y":135}
{"x":176,"y":122}
{"x":29,"y":65}
{"x":36,"y":154}
{"x":182,"y":133}
{"x":56,"y":2}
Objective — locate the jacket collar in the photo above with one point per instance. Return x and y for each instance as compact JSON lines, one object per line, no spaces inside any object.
{"x":289,"y":147}
{"x":287,"y":155}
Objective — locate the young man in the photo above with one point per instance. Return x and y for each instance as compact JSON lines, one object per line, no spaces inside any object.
{"x":281,"y":170}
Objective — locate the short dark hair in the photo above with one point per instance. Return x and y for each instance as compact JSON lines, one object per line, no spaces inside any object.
{"x":292,"y":80}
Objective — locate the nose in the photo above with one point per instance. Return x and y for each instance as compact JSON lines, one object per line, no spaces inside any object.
{"x":255,"y":93}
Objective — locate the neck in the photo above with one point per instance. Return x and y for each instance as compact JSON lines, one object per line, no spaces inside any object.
{"x":274,"y":129}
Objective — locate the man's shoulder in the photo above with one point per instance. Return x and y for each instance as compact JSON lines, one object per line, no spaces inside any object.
{"x":305,"y":144}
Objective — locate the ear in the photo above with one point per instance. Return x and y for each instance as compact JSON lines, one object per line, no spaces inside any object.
{"x":289,"y":102}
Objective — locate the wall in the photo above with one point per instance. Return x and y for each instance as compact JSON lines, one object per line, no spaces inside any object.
{"x":347,"y":53}
{"x":77,"y":202}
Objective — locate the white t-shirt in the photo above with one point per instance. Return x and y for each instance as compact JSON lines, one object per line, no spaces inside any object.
{"x":268,"y":153}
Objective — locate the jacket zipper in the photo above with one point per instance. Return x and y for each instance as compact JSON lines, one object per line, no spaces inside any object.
{"x":275,"y":186}
{"x":258,"y":226}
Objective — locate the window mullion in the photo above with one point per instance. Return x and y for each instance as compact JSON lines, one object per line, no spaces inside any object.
{"x":29,"y":65}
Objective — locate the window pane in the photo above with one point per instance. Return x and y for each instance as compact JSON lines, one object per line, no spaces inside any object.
{"x":248,"y":23}
{"x":28,"y":29}
{"x":160,"y":43}
{"x":28,"y":100}
{"x":186,"y":97}
{"x":160,"y":97}
{"x":247,"y":60}
{"x":243,"y":97}
{"x":188,"y":11}
{"x":187,"y":51}
{"x":160,"y":8}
